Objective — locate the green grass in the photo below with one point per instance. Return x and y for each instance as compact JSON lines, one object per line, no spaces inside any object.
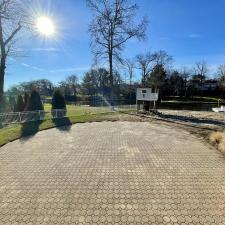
{"x":73,"y":110}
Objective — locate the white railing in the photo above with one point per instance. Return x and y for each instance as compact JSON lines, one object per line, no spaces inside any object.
{"x":22,"y":117}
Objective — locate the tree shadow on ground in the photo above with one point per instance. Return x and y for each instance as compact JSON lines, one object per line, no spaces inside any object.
{"x":62,"y":124}
{"x":29,"y":129}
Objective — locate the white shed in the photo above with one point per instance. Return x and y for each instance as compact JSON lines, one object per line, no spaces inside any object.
{"x":146,"y":95}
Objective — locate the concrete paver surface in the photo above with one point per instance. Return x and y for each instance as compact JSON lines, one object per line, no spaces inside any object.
{"x":112,"y":173}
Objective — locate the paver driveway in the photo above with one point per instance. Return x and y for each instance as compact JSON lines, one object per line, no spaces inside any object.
{"x":112,"y":173}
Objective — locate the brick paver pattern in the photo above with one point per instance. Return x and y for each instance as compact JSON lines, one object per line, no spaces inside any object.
{"x":112,"y":173}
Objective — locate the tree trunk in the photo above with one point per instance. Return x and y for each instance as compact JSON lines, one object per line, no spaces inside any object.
{"x":130,"y":91}
{"x":201,"y":82}
{"x":2,"y":61}
{"x":2,"y":76}
{"x":1,"y":83}
{"x":111,"y":77}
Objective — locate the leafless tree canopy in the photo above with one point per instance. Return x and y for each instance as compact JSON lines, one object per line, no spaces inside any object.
{"x":129,"y":65}
{"x":144,"y":63}
{"x":112,"y":26}
{"x":162,"y":58}
{"x":72,"y":81}
{"x":201,"y":68}
{"x":221,"y":71}
{"x":12,"y":17}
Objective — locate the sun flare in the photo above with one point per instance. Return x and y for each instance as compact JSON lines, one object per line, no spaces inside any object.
{"x":45,"y":26}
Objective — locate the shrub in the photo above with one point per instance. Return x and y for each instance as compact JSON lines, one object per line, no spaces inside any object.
{"x":34,"y":102}
{"x":12,"y":103}
{"x":58,"y":102}
{"x":216,"y":137}
{"x":19,"y":106}
{"x":4,"y":105}
{"x":26,"y":100}
{"x":221,"y":145}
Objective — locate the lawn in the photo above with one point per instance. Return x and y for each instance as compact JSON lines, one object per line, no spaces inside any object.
{"x":74,"y":110}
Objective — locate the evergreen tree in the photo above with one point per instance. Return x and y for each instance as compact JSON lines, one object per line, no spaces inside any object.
{"x":26,"y":100}
{"x":157,"y":77}
{"x":4,"y":104}
{"x":12,"y":102}
{"x":34,"y":102}
{"x":19,"y":106}
{"x":58,"y":102}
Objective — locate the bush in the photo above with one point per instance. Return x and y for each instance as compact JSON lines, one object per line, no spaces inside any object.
{"x":58,"y":102}
{"x":216,"y":137}
{"x":34,"y":102}
{"x":4,"y":105}
{"x":26,"y":100}
{"x":19,"y":106}
{"x":221,"y":145}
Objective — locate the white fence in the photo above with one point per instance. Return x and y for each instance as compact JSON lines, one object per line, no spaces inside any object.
{"x":22,"y":117}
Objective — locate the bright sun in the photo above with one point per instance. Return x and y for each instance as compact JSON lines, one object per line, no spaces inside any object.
{"x":45,"y":26}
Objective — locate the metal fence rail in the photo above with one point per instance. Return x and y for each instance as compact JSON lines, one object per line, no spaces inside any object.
{"x":22,"y":117}
{"x":84,"y":109}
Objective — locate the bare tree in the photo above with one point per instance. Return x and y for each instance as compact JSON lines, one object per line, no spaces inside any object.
{"x":221,"y":71}
{"x":144,"y":63}
{"x":129,"y":64}
{"x":221,"y":77}
{"x":112,"y":26}
{"x":185,"y":73}
{"x":201,"y":70}
{"x":11,"y":22}
{"x":72,"y":82}
{"x":162,"y":58}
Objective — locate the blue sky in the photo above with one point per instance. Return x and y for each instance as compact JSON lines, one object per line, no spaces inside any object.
{"x":189,"y":30}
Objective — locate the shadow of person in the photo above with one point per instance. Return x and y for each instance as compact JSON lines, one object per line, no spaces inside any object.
{"x":29,"y":129}
{"x":62,"y":124}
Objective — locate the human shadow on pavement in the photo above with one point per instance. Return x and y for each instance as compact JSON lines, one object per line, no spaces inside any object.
{"x":62,"y":124}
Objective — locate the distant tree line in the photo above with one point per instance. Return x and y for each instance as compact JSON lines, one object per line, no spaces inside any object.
{"x":155,"y":71}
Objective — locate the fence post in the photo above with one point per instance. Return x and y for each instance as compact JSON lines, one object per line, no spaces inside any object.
{"x":19,"y":117}
{"x":39,"y":112}
{"x":56,"y":113}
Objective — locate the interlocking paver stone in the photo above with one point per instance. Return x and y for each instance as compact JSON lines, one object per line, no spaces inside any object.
{"x":112,"y":173}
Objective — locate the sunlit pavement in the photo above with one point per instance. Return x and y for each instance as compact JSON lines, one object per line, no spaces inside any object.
{"x":112,"y":173}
